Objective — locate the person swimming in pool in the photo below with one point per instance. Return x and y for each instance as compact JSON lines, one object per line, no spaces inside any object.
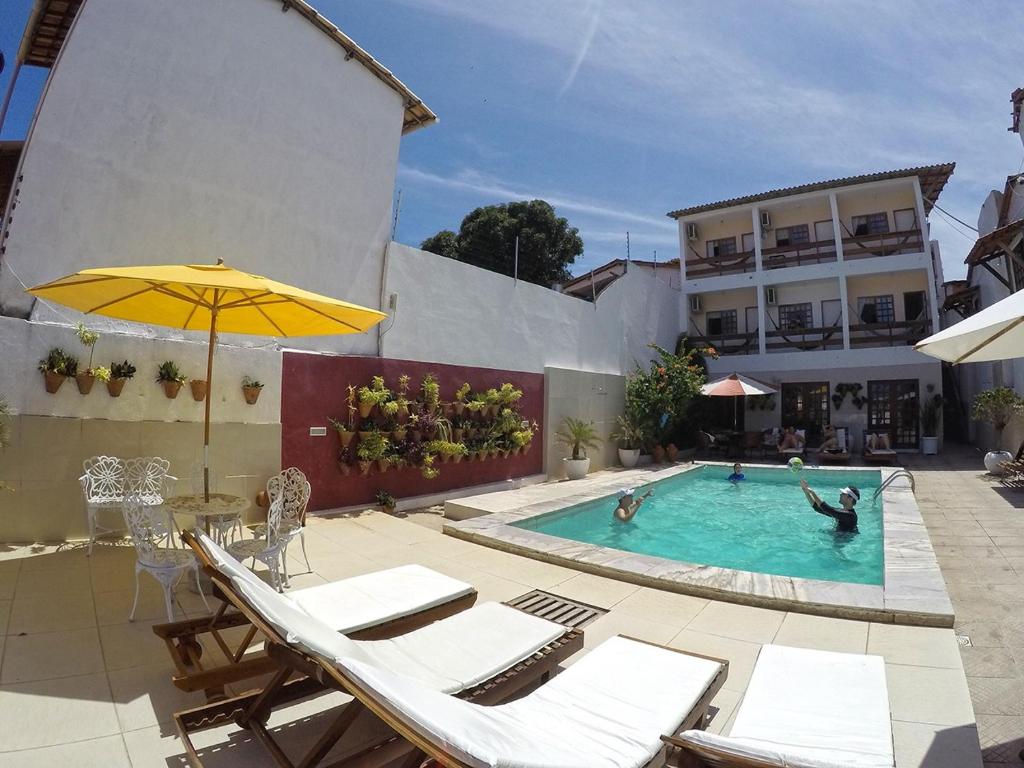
{"x":737,"y":473}
{"x":846,"y":517}
{"x":628,"y":506}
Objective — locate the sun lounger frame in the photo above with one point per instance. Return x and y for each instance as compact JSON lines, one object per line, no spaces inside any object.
{"x":312,"y":675}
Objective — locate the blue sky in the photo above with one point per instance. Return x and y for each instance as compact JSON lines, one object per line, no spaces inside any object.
{"x":619,"y":112}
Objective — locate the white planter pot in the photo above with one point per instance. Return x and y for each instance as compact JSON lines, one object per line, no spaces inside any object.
{"x":628,"y":457}
{"x":576,"y":469}
{"x":994,"y":458}
{"x":929,"y":446}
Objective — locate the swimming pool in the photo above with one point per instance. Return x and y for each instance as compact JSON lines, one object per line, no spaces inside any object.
{"x":762,"y":524}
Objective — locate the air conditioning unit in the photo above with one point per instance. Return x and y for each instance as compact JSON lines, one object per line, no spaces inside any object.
{"x":770,"y":297}
{"x":766,"y":221}
{"x":696,"y":304}
{"x":691,"y":232}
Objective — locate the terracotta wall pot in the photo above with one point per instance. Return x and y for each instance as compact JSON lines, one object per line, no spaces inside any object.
{"x":458,"y":408}
{"x":658,"y":454}
{"x":672,"y":452}
{"x":399,"y":435}
{"x":364,"y":467}
{"x":382,"y":465}
{"x":114,"y":387}
{"x":198,"y":388}
{"x":457,"y":435}
{"x":252,"y":394}
{"x":403,"y":413}
{"x":85,"y":382}
{"x":346,"y":438}
{"x":53,"y":381}
{"x":171,"y":388}
{"x":365,"y":409}
{"x":365,"y":435}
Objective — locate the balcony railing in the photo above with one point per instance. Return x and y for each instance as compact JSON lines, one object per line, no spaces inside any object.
{"x":895,"y":334}
{"x":797,"y":255}
{"x":732,"y":343}
{"x":709,"y":266}
{"x":870,"y":246}
{"x":804,"y":339}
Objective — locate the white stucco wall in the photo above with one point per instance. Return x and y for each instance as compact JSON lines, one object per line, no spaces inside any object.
{"x":184,"y":131}
{"x":456,"y":313}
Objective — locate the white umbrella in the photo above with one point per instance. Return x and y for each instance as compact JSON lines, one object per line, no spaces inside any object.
{"x":735,"y":385}
{"x":995,"y":333}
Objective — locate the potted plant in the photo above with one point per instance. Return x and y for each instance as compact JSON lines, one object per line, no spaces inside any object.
{"x":57,"y":366}
{"x":578,"y":436}
{"x":170,"y":378}
{"x":997,"y":406}
{"x":931,"y":415}
{"x":85,"y":379}
{"x":251,"y":389}
{"x":459,"y":403}
{"x":198,"y":387}
{"x":431,"y":393}
{"x":386,"y":501}
{"x":374,"y":448}
{"x":366,"y":428}
{"x":372,"y":396}
{"x":629,"y":434}
{"x":344,"y":432}
{"x":119,"y":374}
{"x":345,"y":459}
{"x":403,"y":398}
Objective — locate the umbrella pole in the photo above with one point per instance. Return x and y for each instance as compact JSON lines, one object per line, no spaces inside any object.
{"x":209,"y":396}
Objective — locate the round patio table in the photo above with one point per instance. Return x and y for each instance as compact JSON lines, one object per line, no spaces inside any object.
{"x":222,"y":506}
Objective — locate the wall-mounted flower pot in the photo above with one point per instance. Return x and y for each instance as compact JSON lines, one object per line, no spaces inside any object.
{"x":171,"y":388}
{"x":114,"y":387}
{"x":382,"y":465}
{"x":458,"y":408}
{"x":399,"y":435}
{"x":344,"y":468}
{"x":364,"y":467}
{"x":457,"y":458}
{"x":346,"y":438}
{"x":252,"y":394}
{"x":53,"y":381}
{"x":457,"y":435}
{"x":403,"y":414}
{"x":198,"y":388}
{"x":417,"y":436}
{"x":365,"y":409}
{"x":84,"y":382}
{"x":526,"y":448}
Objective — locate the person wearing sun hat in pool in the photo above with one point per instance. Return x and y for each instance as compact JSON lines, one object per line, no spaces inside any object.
{"x":628,"y":506}
{"x":846,"y":517}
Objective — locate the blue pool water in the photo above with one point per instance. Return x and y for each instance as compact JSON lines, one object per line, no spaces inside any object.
{"x":762,"y":524}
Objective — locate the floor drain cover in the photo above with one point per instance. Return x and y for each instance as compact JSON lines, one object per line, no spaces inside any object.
{"x":561,"y":610}
{"x":964,"y":641}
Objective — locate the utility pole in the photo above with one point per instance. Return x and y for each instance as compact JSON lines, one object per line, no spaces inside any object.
{"x":515,"y":265}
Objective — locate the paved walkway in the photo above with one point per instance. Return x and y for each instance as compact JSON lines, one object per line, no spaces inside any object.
{"x":977,"y":531}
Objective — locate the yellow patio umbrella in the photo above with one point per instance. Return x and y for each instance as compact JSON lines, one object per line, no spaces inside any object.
{"x":197,"y":297}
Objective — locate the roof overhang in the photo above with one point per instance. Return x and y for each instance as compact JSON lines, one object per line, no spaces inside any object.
{"x":46,"y":30}
{"x":417,"y":114}
{"x":932,"y":178}
{"x":999,"y":242}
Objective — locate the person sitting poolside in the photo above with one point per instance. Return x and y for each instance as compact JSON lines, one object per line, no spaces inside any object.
{"x":831,"y":442}
{"x":846,"y":517}
{"x":737,"y":473}
{"x":791,"y":440}
{"x":628,"y":506}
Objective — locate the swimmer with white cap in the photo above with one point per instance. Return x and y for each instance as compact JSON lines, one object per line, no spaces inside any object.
{"x":628,"y":506}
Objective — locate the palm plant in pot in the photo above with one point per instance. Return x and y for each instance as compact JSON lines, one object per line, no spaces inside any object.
{"x":998,"y":407}
{"x":577,"y":435}
{"x":931,"y":415}
{"x":170,"y":378}
{"x":57,"y":366}
{"x":629,"y":434}
{"x":119,"y":374}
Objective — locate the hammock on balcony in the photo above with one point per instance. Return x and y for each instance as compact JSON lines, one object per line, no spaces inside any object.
{"x":868,"y":248}
{"x":718,"y":262}
{"x":806,"y":345}
{"x":741,"y":348}
{"x":921,"y":316}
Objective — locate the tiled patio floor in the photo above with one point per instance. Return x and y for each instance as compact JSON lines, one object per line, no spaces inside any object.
{"x":977,"y":531}
{"x":80,"y":685}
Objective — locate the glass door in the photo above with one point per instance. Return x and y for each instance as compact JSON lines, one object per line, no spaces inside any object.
{"x":893,"y":409}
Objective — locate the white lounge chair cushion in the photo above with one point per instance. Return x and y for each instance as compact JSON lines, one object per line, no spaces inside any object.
{"x":607,"y":710}
{"x":374,"y":598}
{"x":362,"y":601}
{"x":812,"y":709}
{"x":448,"y":655}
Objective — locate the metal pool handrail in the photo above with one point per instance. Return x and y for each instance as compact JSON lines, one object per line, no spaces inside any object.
{"x":888,"y":481}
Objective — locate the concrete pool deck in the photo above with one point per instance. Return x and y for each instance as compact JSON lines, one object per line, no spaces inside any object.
{"x":913,"y":591}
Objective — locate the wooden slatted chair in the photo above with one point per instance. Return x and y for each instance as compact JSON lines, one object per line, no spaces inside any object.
{"x":488,"y":653}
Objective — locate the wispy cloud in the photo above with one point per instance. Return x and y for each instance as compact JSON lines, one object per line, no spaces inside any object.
{"x":588,"y":38}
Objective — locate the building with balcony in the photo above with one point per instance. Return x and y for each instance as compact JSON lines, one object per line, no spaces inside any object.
{"x":821,"y":291}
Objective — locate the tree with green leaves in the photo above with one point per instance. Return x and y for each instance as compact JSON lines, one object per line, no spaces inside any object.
{"x":487,"y":238}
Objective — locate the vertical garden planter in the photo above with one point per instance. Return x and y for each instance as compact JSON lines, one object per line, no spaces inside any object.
{"x":198,"y":388}
{"x":171,"y":388}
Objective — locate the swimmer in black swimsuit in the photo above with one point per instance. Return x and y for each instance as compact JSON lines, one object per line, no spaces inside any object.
{"x":846,"y":518}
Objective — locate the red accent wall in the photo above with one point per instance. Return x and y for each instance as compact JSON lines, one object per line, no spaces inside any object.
{"x":314,"y":387}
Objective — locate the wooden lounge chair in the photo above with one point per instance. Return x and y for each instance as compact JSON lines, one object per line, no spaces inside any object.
{"x":371,"y":606}
{"x":873,"y":450}
{"x":488,"y":653}
{"x":839,"y":456}
{"x":803,"y":708}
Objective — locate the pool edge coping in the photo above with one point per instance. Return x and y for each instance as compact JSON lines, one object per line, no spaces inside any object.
{"x":913,"y":590}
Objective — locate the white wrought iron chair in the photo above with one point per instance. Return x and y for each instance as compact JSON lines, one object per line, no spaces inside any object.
{"x":269,"y":549}
{"x":292,"y":486}
{"x":152,"y":535}
{"x":103,"y":482}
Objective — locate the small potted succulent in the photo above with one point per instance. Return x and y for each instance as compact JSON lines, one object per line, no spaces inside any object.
{"x":459,"y":403}
{"x":578,"y":436}
{"x":85,"y":379}
{"x":170,"y":378}
{"x":386,"y":501}
{"x":119,"y":374}
{"x":251,"y":389}
{"x":57,"y":366}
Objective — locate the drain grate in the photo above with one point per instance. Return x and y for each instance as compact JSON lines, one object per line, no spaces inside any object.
{"x":560,"y":610}
{"x":964,"y":641}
